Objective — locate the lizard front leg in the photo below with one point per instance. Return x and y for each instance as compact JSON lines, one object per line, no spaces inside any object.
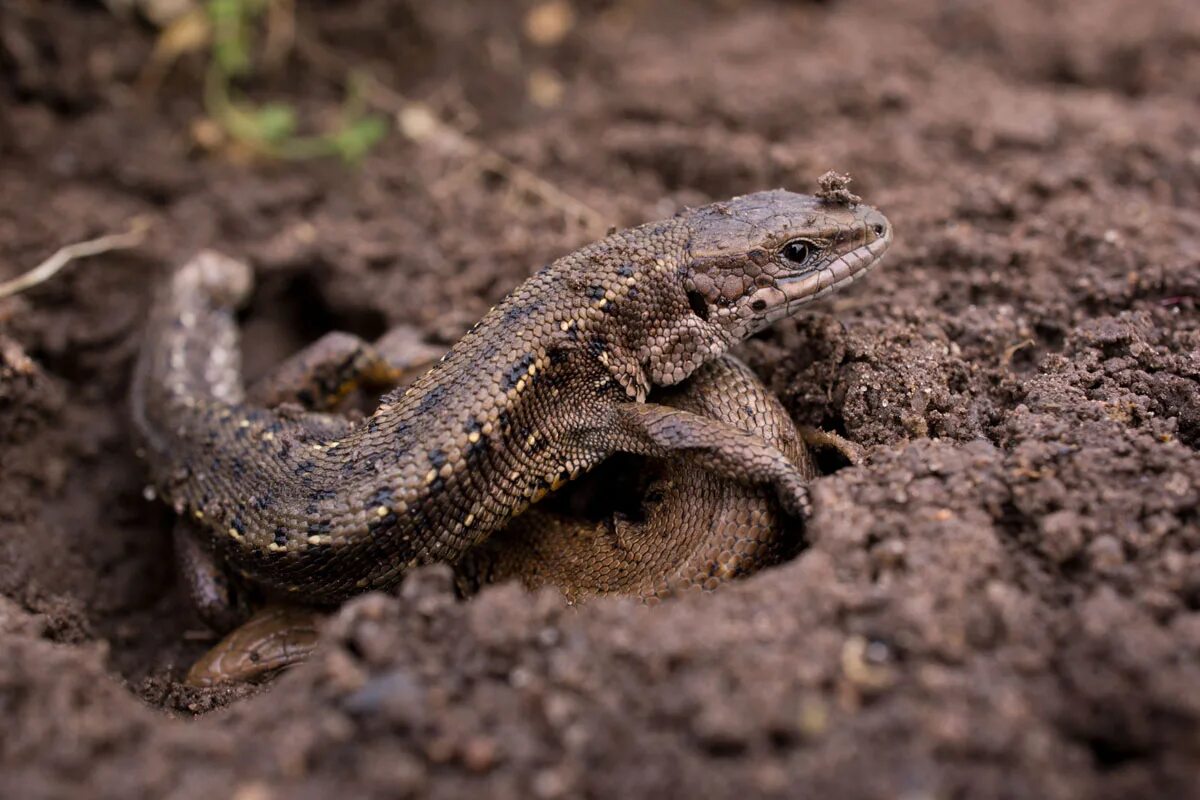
{"x":818,"y":439}
{"x":661,"y":431}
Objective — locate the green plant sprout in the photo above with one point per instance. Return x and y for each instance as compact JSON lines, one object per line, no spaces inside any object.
{"x":272,"y":128}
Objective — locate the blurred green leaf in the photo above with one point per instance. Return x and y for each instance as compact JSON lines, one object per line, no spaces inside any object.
{"x":274,"y":122}
{"x":230,"y":46}
{"x":273,"y":128}
{"x":356,"y":140}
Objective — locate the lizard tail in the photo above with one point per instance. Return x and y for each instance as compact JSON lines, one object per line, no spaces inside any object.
{"x":191,"y":357}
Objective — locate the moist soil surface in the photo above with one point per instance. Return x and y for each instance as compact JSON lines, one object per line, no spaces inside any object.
{"x":1002,"y":601}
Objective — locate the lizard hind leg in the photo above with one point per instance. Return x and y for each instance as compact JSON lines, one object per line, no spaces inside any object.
{"x":276,"y":636}
{"x":220,"y":600}
{"x":257,"y":642}
{"x":822,"y":441}
{"x":324,"y":373}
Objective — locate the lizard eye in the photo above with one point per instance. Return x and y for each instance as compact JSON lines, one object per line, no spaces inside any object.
{"x":798,"y":251}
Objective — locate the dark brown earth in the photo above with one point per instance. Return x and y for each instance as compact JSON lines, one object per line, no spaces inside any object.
{"x":1004,"y":601}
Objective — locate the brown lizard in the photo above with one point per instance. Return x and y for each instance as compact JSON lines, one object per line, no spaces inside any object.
{"x":314,"y":507}
{"x":693,"y":529}
{"x":688,"y":529}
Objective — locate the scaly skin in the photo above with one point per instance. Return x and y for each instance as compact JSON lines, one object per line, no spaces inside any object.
{"x":552,"y":381}
{"x":696,"y":529}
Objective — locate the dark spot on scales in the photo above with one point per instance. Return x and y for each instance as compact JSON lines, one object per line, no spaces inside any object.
{"x":432,"y":399}
{"x":419,"y":519}
{"x":517,"y":371}
{"x":558,"y":355}
{"x":383,"y":496}
{"x":518,"y":312}
{"x":386,"y":522}
{"x":477,"y":450}
{"x":437,"y":458}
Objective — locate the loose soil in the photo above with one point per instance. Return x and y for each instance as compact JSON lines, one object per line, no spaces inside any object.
{"x":1003,"y":601}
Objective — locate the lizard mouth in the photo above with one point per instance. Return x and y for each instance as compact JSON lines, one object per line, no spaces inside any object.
{"x":800,"y":290}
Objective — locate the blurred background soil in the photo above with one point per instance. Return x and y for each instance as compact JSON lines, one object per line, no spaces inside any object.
{"x":1004,"y":601}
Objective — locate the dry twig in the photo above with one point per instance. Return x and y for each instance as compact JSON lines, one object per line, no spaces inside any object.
{"x":65,"y":255}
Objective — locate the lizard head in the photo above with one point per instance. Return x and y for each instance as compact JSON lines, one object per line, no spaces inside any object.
{"x":755,"y":259}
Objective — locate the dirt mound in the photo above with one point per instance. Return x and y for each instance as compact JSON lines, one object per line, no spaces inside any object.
{"x":1003,"y":601}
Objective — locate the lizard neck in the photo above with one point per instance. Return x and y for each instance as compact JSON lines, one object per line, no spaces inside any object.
{"x":629,"y":308}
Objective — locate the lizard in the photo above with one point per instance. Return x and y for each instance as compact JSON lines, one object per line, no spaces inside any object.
{"x":314,"y":507}
{"x":689,"y":529}
{"x":692,"y":530}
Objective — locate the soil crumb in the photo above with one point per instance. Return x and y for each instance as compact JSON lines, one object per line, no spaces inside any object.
{"x":835,"y":188}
